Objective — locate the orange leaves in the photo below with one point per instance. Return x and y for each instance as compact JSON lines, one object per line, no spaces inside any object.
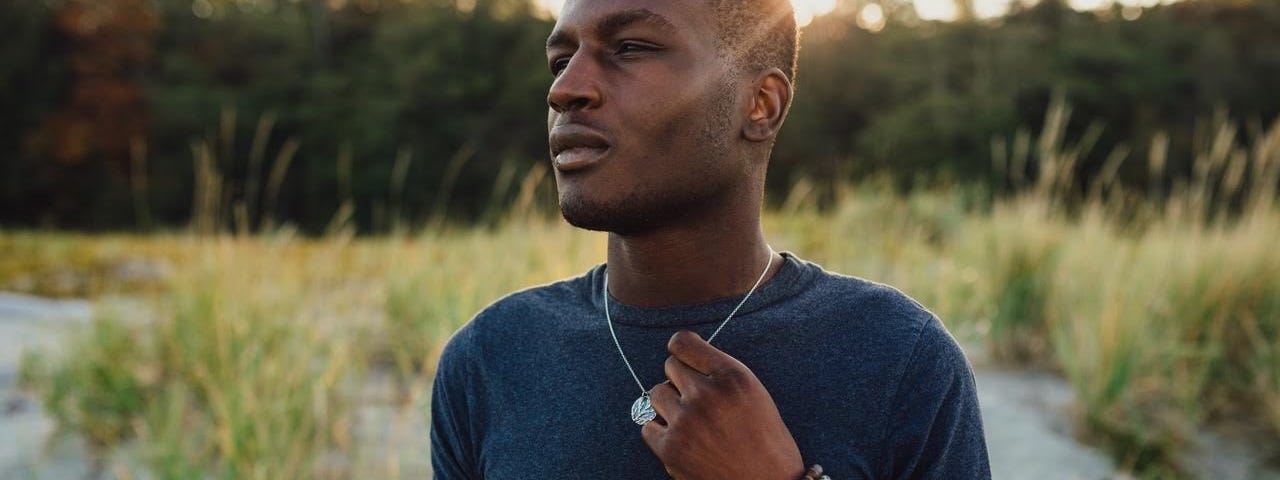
{"x":107,"y":43}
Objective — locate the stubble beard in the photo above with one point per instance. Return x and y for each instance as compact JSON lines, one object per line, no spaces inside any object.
{"x":649,"y":206}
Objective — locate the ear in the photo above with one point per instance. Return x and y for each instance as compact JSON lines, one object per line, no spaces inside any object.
{"x":770,"y":100}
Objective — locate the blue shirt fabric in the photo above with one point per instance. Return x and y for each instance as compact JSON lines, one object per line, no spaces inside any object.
{"x":868,"y":381}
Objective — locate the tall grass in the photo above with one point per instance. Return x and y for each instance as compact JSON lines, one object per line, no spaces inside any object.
{"x":248,"y":363}
{"x":1162,"y":315}
{"x":234,"y":372}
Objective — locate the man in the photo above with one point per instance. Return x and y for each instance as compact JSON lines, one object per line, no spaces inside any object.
{"x":661,"y":118}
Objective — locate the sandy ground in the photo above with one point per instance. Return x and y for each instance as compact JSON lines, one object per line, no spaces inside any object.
{"x":26,"y":449}
{"x":1024,"y":414}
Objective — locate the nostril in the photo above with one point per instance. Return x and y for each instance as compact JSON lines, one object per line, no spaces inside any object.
{"x":577,"y":103}
{"x":563,"y":102}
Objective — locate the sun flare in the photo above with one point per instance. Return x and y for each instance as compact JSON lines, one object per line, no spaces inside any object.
{"x":805,"y":9}
{"x":872,"y":14}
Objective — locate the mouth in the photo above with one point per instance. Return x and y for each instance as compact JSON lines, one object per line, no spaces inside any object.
{"x":575,"y":147}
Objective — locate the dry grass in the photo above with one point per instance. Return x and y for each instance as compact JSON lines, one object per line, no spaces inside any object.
{"x":1162,"y":316}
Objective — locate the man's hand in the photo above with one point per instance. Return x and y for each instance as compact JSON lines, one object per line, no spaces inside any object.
{"x":720,"y":422}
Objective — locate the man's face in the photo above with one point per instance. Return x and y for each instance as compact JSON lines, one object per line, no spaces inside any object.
{"x":642,"y":113}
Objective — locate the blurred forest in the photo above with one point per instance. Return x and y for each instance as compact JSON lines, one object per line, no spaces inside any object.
{"x":133,"y":114}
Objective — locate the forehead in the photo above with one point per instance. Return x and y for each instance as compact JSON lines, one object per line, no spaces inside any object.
{"x":584,"y":18}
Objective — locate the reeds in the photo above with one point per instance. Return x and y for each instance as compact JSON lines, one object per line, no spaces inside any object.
{"x":219,"y":204}
{"x":231,"y":373}
{"x":1163,"y":315}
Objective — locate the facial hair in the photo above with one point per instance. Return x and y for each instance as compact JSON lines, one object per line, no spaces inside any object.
{"x":649,"y":206}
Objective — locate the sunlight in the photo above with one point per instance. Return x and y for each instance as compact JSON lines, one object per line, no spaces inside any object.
{"x":946,"y":10}
{"x":805,"y":9}
{"x":936,"y":9}
{"x":872,"y":15}
{"x":551,"y":7}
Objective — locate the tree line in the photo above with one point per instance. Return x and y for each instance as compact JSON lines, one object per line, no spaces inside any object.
{"x":118,"y":114}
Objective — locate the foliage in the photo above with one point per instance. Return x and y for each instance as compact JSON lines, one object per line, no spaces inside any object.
{"x":1159,"y":324}
{"x":400,"y":113}
{"x":221,"y":376}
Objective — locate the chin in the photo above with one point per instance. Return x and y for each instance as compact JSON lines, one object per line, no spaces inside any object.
{"x":621,"y":217}
{"x":584,"y":214}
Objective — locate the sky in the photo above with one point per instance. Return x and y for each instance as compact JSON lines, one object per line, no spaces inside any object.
{"x":872,"y":16}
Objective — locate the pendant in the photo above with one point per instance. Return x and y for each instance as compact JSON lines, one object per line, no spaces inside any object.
{"x":642,"y":411}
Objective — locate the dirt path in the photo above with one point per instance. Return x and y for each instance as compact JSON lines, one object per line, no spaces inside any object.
{"x":1024,"y":413}
{"x":25,"y":449}
{"x":1028,"y":430}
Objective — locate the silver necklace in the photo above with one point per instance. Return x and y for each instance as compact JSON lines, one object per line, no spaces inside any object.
{"x":642,"y":410}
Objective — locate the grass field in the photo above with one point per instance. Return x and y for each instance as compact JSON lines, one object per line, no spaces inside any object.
{"x":1163,"y":315}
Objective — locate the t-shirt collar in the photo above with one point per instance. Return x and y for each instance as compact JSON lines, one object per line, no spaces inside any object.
{"x":790,"y":278}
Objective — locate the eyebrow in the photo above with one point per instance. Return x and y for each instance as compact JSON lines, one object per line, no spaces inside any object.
{"x":611,"y":24}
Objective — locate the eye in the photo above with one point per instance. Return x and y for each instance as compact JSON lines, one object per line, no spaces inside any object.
{"x":558,"y":65}
{"x":632,"y":47}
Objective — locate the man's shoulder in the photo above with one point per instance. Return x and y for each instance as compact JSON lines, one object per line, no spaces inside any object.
{"x":878,"y":305}
{"x":529,"y":301}
{"x":890,"y":324}
{"x":496,"y":318}
{"x":908,"y":334}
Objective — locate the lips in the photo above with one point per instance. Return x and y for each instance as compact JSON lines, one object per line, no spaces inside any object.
{"x":575,"y":147}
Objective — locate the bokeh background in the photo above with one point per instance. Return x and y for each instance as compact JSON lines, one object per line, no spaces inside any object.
{"x":234,"y":234}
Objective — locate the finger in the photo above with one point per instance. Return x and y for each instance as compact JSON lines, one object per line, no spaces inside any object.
{"x":684,"y":377}
{"x":666,"y":401}
{"x":655,"y":437}
{"x":698,"y":354}
{"x":653,"y":434}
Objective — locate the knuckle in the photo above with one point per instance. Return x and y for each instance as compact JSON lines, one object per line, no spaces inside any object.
{"x":734,"y":381}
{"x":661,"y":389}
{"x":664,"y":395}
{"x":657,"y":396}
{"x":722,"y":368}
{"x":689,"y":396}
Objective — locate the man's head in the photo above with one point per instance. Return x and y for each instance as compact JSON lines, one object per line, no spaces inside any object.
{"x":665,"y":111}
{"x":757,"y":34}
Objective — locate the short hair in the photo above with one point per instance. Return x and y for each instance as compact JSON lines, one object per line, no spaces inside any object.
{"x":758,"y":34}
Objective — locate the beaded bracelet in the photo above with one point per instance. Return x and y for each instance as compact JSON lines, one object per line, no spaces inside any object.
{"x":815,"y":473}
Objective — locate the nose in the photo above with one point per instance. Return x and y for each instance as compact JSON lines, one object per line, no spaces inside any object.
{"x":575,"y":88}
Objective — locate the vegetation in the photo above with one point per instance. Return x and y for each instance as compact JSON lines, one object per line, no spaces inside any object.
{"x":1163,"y":316}
{"x":1123,"y":241}
{"x":399,"y":112}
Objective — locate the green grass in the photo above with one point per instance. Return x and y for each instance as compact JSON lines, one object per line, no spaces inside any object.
{"x":1163,"y":316}
{"x":246,"y":367}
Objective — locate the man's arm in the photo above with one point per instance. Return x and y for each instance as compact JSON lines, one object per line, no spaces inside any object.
{"x":451,"y":443}
{"x":934,"y":424}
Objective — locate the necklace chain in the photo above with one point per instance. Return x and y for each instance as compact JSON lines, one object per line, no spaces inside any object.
{"x":709,"y":339}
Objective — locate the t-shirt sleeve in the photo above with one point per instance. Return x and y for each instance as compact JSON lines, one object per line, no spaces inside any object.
{"x":452,"y":446}
{"x":935,"y":426}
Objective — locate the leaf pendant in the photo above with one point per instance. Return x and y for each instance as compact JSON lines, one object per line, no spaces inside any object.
{"x":642,"y":411}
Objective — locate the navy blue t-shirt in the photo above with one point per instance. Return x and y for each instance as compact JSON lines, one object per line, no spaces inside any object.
{"x":868,"y":381}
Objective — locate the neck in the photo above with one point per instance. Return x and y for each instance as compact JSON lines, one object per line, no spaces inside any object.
{"x":694,"y":262}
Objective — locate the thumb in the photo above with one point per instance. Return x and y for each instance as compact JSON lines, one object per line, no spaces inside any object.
{"x":695,"y":352}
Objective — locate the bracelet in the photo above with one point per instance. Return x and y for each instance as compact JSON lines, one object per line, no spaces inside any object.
{"x":815,"y":473}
